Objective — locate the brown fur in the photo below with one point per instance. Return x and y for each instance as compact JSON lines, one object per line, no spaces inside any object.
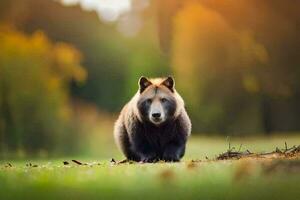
{"x":142,"y":141}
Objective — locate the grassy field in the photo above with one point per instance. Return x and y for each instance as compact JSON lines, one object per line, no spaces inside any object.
{"x":235,"y":179}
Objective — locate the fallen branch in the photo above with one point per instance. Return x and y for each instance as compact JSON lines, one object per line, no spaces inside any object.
{"x":293,"y":151}
{"x":78,"y":163}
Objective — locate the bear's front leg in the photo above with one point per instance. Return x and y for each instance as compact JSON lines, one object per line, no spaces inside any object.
{"x":173,"y":152}
{"x":146,"y":152}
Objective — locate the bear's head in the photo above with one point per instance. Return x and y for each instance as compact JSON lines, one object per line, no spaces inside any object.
{"x":158,"y":101}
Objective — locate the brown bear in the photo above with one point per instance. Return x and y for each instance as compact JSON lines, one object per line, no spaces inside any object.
{"x":154,"y":124}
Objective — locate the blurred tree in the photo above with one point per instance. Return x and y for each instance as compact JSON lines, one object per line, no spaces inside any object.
{"x":34,"y":79}
{"x":113,"y":61}
{"x":216,"y":94}
{"x":242,"y":79}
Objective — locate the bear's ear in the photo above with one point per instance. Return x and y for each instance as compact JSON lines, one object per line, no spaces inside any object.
{"x":169,"y":83}
{"x":144,"y":83}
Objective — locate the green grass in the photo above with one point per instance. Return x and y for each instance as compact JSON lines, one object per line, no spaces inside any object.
{"x":205,"y":180}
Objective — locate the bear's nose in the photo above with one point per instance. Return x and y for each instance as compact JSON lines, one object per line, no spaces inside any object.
{"x":156,"y":115}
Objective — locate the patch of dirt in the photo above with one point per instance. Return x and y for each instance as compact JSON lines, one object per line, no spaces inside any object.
{"x":287,"y":166}
{"x":167,"y":175}
{"x":244,"y":170}
{"x":192,"y":165}
{"x":287,"y":153}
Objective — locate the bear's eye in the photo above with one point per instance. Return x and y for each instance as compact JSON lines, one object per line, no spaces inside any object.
{"x":164,"y":100}
{"x":148,"y":100}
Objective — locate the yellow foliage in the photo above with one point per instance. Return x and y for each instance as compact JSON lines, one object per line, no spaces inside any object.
{"x":34,"y":77}
{"x":68,"y":60}
{"x":60,"y":58}
{"x":251,"y":84}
